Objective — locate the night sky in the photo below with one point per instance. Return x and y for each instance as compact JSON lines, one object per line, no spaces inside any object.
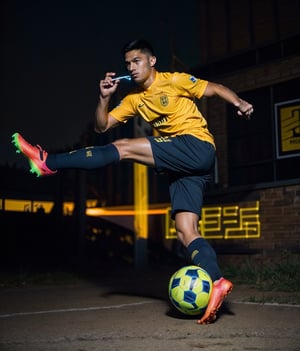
{"x":55,"y":52}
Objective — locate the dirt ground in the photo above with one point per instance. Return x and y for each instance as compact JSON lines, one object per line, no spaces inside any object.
{"x":130,"y":311}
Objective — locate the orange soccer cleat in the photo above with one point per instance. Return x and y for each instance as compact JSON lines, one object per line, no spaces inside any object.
{"x":221,"y":288}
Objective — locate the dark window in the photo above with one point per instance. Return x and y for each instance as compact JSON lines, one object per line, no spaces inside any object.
{"x":252,"y":144}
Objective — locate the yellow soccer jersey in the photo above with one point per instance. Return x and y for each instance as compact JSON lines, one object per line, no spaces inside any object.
{"x":168,"y":105}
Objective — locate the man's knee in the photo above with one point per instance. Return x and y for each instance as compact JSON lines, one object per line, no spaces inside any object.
{"x":186,"y":237}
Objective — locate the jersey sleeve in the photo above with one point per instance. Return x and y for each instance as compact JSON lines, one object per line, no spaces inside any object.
{"x":190,"y":86}
{"x":124,"y":111}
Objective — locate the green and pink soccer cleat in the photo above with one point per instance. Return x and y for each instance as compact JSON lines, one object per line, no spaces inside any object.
{"x":35,"y":154}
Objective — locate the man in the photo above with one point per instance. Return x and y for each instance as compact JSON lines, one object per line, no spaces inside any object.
{"x":185,"y":149}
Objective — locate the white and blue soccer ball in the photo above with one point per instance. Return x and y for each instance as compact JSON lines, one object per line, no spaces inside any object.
{"x":190,"y":289}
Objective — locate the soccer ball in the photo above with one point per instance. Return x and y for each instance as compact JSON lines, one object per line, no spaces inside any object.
{"x":189,"y":290}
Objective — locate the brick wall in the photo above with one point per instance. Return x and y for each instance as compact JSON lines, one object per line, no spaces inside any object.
{"x":280,"y":218}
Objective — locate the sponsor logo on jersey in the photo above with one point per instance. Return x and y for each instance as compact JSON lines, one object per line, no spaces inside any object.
{"x":159,"y":121}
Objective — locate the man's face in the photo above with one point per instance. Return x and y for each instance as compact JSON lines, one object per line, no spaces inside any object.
{"x":139,"y":65}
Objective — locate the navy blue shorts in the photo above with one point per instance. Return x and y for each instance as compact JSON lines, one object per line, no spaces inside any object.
{"x":189,"y":162}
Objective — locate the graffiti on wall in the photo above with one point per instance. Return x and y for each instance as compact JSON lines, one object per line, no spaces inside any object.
{"x":224,"y":222}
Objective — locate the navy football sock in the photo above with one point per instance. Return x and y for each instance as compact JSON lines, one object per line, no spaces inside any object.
{"x":86,"y":158}
{"x":204,"y":256}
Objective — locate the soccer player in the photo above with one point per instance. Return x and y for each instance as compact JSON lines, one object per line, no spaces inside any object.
{"x":185,"y":149}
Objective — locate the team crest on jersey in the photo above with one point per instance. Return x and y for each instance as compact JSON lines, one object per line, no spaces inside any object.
{"x":164,"y":101}
{"x":193,"y":79}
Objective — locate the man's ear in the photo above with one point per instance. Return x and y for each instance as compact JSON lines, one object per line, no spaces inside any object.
{"x":152,"y":61}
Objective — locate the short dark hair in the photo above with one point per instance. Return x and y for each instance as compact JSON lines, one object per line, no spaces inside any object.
{"x":139,"y":44}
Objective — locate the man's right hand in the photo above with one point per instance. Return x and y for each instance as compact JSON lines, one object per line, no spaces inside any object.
{"x":107,"y":85}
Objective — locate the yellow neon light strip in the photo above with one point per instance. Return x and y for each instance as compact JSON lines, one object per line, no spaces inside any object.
{"x":102,"y":212}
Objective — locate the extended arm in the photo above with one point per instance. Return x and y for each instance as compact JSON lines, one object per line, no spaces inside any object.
{"x":244,"y":108}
